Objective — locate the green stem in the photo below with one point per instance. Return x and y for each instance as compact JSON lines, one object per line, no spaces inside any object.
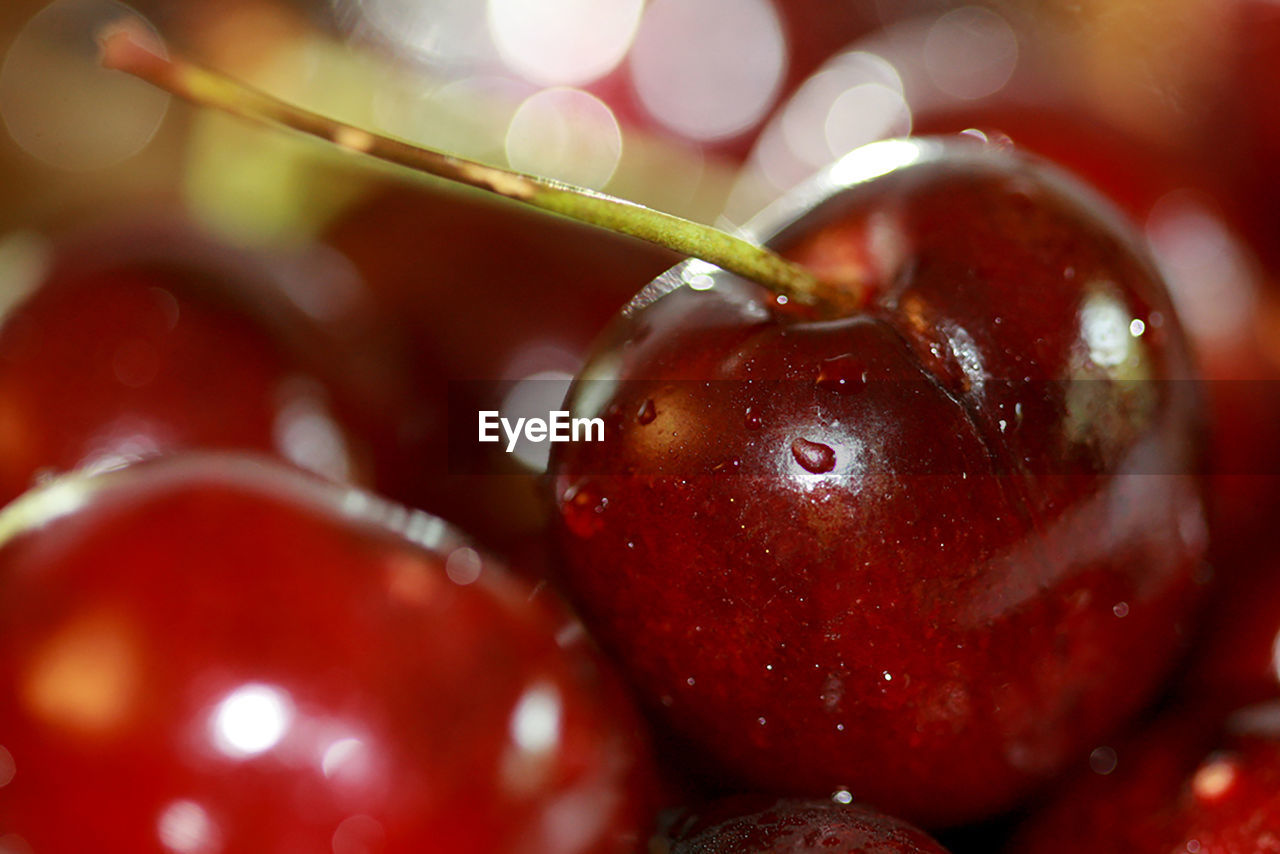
{"x":122,"y":50}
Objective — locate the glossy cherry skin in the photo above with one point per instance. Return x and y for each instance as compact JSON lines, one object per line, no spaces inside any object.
{"x":144,"y":340}
{"x":216,"y":654}
{"x":790,"y":826}
{"x":927,"y":552}
{"x":1221,"y":291}
{"x":1189,"y":782}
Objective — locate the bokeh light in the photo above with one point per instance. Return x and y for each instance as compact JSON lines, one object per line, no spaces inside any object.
{"x":709,"y":69}
{"x":58,"y":102}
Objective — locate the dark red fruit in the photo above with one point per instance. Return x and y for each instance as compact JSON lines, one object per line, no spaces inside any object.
{"x":1217,"y":284}
{"x":791,"y":826}
{"x":491,"y":296}
{"x":928,"y":552}
{"x":1243,"y":137}
{"x":1183,"y":785}
{"x":216,"y":654}
{"x":148,"y":340}
{"x":1237,"y":655}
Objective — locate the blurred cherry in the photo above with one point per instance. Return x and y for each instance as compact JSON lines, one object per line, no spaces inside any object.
{"x":1236,"y":658}
{"x":213,"y":653}
{"x":145,"y":339}
{"x":1185,"y":783}
{"x":1241,"y":139}
{"x":495,"y":300}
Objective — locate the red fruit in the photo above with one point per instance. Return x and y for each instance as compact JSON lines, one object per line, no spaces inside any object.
{"x":1184,"y":785}
{"x":1237,"y":655}
{"x":1216,"y":282}
{"x":215,"y":654}
{"x":921,"y":552}
{"x":1125,"y":168}
{"x":791,"y":826}
{"x":144,"y":341}
{"x":1243,"y":137}
{"x":490,"y":295}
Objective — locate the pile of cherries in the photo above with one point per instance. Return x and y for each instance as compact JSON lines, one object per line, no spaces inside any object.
{"x":980,"y":557}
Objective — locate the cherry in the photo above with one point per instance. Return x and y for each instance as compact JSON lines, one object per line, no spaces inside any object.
{"x":217,"y":654}
{"x":481,"y":284}
{"x":923,"y":522}
{"x":145,"y":339}
{"x":1236,"y":659}
{"x":1186,"y":783}
{"x":1120,"y":799}
{"x":1242,"y":136}
{"x":928,"y":551}
{"x":1221,"y":291}
{"x":790,"y":826}
{"x":482,"y":321}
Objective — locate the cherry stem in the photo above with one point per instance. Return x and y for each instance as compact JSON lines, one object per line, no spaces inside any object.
{"x":123,"y":49}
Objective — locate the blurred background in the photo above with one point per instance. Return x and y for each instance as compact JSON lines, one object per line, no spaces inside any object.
{"x":659,"y":100}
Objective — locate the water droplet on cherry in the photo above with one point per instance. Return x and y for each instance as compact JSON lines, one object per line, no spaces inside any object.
{"x":813,"y":457}
{"x":581,"y":507}
{"x":648,"y":412}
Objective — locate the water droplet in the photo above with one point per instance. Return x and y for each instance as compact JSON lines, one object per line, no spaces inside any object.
{"x":842,"y":796}
{"x":582,"y":507}
{"x":1103,"y":760}
{"x":752,"y":419}
{"x":843,"y":374}
{"x":647,"y":413}
{"x":813,"y":457}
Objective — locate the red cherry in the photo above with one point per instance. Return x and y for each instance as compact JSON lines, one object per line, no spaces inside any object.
{"x":1219,"y":287}
{"x":1122,"y":798}
{"x":490,"y":295}
{"x":147,"y":339}
{"x":1185,"y":784}
{"x":989,"y":574}
{"x":1242,"y":137}
{"x":1236,"y":659}
{"x":791,"y":826}
{"x":216,"y":654}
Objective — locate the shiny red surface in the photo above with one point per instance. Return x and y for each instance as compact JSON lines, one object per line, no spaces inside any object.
{"x":1184,"y":784}
{"x":928,"y":552}
{"x":152,"y":345}
{"x":1242,"y":138}
{"x":793,"y":826}
{"x":1236,"y":658}
{"x":219,"y":655}
{"x":1192,"y":228}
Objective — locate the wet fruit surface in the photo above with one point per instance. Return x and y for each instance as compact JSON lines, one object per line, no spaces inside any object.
{"x":791,"y":826}
{"x":219,"y":655}
{"x":927,"y":552}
